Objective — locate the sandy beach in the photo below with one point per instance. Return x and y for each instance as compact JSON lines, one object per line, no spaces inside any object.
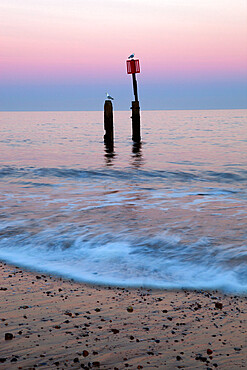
{"x":49,"y":322}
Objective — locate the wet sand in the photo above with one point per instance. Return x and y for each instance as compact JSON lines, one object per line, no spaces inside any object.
{"x":50,"y":323}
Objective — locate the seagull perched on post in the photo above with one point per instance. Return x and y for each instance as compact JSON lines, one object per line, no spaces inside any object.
{"x":109,"y":96}
{"x":131,"y":56}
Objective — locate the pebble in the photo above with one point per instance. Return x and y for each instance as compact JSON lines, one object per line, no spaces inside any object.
{"x":237,"y":349}
{"x":8,"y":336}
{"x":96,"y":363}
{"x":218,"y":305}
{"x":115,"y":331}
{"x":201,"y":358}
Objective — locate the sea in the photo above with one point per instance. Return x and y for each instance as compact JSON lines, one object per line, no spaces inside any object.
{"x":168,"y":213}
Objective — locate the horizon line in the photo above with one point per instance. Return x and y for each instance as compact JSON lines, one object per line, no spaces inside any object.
{"x":119,"y":110}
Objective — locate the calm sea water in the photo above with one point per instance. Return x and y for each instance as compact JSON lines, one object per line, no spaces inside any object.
{"x":170,"y":213}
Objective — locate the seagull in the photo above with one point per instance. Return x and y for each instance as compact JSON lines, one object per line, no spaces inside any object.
{"x":131,"y":56}
{"x":109,"y":96}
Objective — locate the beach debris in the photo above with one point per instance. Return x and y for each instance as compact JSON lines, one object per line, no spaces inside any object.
{"x":209,"y":351}
{"x":8,"y":336}
{"x":130,"y":309}
{"x":85,"y":353}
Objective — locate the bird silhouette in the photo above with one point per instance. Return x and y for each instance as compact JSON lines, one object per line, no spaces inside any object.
{"x":109,"y":96}
{"x":131,"y":56}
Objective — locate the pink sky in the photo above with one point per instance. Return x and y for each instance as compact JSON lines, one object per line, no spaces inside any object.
{"x":80,"y":39}
{"x":64,"y":54}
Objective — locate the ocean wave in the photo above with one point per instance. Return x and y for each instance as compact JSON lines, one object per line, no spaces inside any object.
{"x":124,"y":259}
{"x":239,"y":176}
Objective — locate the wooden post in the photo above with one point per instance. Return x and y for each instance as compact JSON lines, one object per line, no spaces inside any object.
{"x":108,"y":122}
{"x":136,"y":149}
{"x":136,"y":127}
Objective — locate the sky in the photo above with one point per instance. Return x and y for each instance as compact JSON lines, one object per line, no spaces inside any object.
{"x":66,"y":54}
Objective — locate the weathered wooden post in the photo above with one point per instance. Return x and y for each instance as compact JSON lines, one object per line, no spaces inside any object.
{"x":133,"y":67}
{"x":136,"y":125}
{"x":108,"y":123}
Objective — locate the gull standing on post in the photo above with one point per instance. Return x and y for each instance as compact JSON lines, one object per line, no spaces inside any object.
{"x":131,"y":56}
{"x":109,"y":96}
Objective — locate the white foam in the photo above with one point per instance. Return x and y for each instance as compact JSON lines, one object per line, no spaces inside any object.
{"x":161,"y":261}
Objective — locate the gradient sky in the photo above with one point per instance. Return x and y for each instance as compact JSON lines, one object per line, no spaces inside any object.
{"x":65,"y":54}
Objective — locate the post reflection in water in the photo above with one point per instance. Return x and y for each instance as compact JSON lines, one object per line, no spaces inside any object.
{"x":136,"y":157}
{"x":109,"y":154}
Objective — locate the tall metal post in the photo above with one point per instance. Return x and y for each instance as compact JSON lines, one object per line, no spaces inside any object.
{"x":135,"y":86}
{"x":133,"y":67}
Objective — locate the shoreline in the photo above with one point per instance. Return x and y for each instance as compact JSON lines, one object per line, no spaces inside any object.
{"x":57,"y":323}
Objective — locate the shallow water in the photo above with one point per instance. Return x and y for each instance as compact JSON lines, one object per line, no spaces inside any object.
{"x":170,"y":213}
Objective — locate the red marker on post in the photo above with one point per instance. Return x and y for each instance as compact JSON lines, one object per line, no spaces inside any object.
{"x":133,"y":67}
